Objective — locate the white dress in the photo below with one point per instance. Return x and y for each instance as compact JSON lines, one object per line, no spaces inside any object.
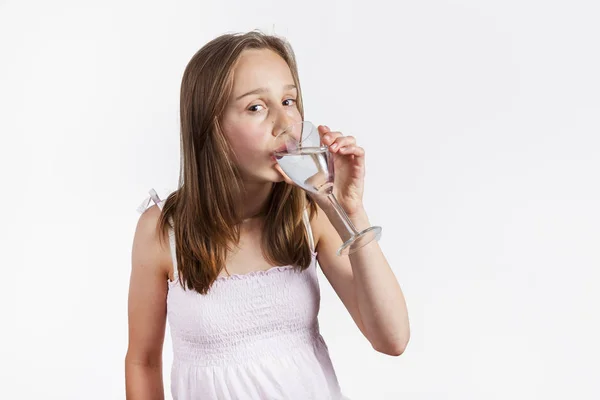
{"x":253,"y":336}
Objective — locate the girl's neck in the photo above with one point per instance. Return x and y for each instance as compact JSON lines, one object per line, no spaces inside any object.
{"x":255,"y":198}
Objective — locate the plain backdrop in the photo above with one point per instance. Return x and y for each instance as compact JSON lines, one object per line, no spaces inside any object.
{"x":481,"y":124}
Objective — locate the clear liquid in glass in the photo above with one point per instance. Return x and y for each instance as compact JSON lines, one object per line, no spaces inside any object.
{"x":309,"y":167}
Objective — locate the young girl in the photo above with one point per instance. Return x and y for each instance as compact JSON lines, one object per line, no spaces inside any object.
{"x":230,"y":257}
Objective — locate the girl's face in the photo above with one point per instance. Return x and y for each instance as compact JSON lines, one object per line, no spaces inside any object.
{"x":262,"y":104}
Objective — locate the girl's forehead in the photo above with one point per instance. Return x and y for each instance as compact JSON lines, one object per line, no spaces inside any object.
{"x":256,"y":68}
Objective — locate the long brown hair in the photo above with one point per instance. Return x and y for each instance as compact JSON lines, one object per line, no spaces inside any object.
{"x":204,"y":209}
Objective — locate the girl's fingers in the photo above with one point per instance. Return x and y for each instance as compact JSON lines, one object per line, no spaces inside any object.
{"x":354,"y":153}
{"x":327,"y":136}
{"x":342,"y":141}
{"x":323,"y":130}
{"x":331,"y":137}
{"x":352,"y":149}
{"x":337,"y":141}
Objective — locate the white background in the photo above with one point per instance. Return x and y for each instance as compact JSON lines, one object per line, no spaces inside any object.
{"x":481,"y":123}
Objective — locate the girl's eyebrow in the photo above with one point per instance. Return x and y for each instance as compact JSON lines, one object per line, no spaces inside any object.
{"x":263,"y":90}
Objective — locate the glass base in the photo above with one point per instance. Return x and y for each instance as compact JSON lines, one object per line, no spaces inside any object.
{"x":356,"y":242}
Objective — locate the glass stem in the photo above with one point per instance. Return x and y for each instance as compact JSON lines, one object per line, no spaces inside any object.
{"x":342,"y":214}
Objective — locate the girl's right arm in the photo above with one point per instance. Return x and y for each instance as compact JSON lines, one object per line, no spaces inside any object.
{"x":147,"y":309}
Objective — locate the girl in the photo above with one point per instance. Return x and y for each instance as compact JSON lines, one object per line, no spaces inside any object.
{"x":230,"y":257}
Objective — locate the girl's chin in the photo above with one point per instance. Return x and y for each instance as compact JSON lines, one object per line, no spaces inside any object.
{"x":278,"y":177}
{"x":272,"y":176}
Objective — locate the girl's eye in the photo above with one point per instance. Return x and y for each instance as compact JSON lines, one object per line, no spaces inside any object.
{"x":252,"y":108}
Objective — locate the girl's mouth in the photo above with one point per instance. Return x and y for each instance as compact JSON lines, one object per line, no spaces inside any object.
{"x":280,"y":149}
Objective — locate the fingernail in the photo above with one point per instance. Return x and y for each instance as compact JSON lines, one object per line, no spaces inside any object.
{"x":333,"y":146}
{"x":327,"y":136}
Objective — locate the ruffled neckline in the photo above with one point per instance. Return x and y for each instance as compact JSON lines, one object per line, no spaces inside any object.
{"x":265,"y":272}
{"x":253,"y":274}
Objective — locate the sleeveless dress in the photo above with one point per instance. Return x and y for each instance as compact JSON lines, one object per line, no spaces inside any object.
{"x":253,"y":336}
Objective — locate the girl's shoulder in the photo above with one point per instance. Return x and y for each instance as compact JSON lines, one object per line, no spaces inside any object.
{"x":148,"y":240}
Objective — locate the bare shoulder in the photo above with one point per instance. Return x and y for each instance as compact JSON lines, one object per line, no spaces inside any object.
{"x":148,"y":287}
{"x":326,"y":238}
{"x":147,"y":248}
{"x":318,"y":224}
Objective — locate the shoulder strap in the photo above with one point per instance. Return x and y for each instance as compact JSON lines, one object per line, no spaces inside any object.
{"x":173,"y":254}
{"x":146,"y":203}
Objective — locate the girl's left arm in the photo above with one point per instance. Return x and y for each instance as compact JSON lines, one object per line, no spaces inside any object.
{"x":366,"y":285}
{"x":364,"y":280}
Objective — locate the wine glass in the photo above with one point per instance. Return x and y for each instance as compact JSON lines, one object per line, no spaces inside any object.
{"x":309,"y":164}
